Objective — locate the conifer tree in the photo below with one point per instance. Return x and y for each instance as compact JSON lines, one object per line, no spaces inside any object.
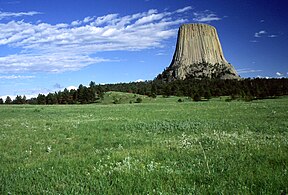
{"x":8,"y":100}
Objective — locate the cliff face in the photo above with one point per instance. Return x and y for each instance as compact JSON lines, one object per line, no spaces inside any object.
{"x":198,"y":54}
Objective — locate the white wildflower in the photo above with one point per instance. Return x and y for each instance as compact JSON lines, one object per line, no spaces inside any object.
{"x":49,"y":149}
{"x":120,"y":147}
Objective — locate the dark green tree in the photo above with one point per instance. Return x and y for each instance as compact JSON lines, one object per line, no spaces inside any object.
{"x":153,"y":90}
{"x":51,"y":98}
{"x":17,"y":100}
{"x":41,"y":99}
{"x":167,"y":91}
{"x":81,"y":94}
{"x":65,"y":97}
{"x":100,"y":93}
{"x":92,"y":84}
{"x":207,"y":94}
{"x":24,"y":100}
{"x":8,"y":100}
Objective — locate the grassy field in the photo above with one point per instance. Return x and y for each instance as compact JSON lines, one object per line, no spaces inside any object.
{"x":159,"y":146}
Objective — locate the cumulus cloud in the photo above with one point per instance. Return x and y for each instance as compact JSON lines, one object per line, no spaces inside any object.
{"x":72,"y":88}
{"x":205,"y":16}
{"x":139,"y":80}
{"x":76,"y":23}
{"x":279,"y":74}
{"x":68,"y":47}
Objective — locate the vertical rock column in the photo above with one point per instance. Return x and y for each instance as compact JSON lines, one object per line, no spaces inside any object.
{"x":199,"y":45}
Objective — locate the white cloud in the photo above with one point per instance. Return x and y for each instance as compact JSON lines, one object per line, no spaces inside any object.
{"x":33,"y":93}
{"x":279,"y":74}
{"x":260,"y":33}
{"x":272,"y":36}
{"x":10,"y":2}
{"x":29,"y":93}
{"x":263,"y":34}
{"x":103,"y":19}
{"x":48,"y":62}
{"x":139,"y":80}
{"x":206,"y":16}
{"x":265,"y":77}
{"x":72,"y":87}
{"x":4,"y":15}
{"x":184,"y":9}
{"x":88,"y":19}
{"x":3,"y":97}
{"x":68,"y":47}
{"x":16,"y":77}
{"x":247,"y":70}
{"x":150,"y":18}
{"x":76,"y":23}
{"x":109,"y":32}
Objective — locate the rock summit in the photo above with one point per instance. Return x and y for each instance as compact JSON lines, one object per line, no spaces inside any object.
{"x":198,"y":54}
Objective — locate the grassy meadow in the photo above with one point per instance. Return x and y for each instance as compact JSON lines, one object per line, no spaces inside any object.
{"x":159,"y":146}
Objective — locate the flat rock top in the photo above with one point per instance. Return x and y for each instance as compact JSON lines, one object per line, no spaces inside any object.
{"x":196,"y":25}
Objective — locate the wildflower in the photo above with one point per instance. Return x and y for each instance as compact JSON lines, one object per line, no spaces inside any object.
{"x":48,"y":149}
{"x":120,"y":147}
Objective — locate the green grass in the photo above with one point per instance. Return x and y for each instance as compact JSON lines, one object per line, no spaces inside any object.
{"x":122,"y":98}
{"x":157,"y":147}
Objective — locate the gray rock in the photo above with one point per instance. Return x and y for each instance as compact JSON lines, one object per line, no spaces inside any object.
{"x":198,"y":55}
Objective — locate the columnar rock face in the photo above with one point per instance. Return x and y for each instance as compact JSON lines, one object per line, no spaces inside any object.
{"x":198,"y":54}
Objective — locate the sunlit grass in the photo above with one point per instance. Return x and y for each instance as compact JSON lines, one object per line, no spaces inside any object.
{"x":158,"y":146}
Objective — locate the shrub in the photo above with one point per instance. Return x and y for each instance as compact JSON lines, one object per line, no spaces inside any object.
{"x":207,"y":95}
{"x":153,"y":95}
{"x":116,"y":101}
{"x":138,"y":100}
{"x":196,"y":97}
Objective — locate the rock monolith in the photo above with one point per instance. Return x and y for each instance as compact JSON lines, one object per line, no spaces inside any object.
{"x":198,"y":54}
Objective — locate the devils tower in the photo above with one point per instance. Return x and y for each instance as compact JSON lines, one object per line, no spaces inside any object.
{"x":198,"y":54}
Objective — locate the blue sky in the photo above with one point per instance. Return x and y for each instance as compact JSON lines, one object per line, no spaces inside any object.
{"x":46,"y":46}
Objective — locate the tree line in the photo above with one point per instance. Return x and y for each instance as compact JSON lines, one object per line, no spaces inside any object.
{"x":246,"y":89}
